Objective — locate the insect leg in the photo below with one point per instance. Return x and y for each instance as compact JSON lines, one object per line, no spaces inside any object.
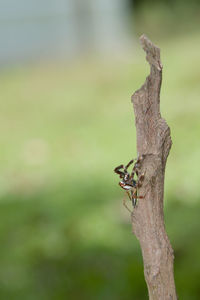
{"x":117,"y":170}
{"x":135,"y":196}
{"x":129,"y":195}
{"x":128,"y":165}
{"x":140,"y":180}
{"x":137,"y":165}
{"x":124,"y":203}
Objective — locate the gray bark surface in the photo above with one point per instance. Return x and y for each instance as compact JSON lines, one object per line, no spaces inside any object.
{"x":154,"y":142}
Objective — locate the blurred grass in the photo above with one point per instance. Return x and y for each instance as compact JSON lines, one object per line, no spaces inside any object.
{"x":64,"y":233}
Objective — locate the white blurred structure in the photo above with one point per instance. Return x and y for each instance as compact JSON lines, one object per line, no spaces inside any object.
{"x":33,"y":29}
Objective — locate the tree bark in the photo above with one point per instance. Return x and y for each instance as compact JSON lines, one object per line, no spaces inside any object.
{"x":154,"y":142}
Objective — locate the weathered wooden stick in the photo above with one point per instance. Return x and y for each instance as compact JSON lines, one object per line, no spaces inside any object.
{"x":154,"y":141}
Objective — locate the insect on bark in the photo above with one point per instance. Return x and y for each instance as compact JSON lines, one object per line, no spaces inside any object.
{"x":128,"y":182}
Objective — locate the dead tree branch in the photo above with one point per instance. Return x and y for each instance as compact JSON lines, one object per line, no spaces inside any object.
{"x":154,"y":141}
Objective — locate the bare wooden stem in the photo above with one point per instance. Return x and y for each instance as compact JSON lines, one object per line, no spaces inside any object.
{"x":154,"y":141}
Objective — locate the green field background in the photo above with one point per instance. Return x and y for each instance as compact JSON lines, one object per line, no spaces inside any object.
{"x":64,"y":233}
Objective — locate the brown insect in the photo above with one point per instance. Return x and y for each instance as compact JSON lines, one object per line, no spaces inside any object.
{"x":128,"y":183}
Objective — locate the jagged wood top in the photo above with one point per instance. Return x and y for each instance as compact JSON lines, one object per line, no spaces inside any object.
{"x":152,"y":130}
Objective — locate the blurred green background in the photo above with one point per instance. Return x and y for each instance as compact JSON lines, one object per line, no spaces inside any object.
{"x":65,"y":125}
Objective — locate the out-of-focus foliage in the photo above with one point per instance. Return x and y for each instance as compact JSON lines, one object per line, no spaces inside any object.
{"x":170,"y":3}
{"x":166,"y":18}
{"x":64,"y":233}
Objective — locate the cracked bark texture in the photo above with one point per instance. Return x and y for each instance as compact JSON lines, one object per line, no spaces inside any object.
{"x":154,"y":142}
